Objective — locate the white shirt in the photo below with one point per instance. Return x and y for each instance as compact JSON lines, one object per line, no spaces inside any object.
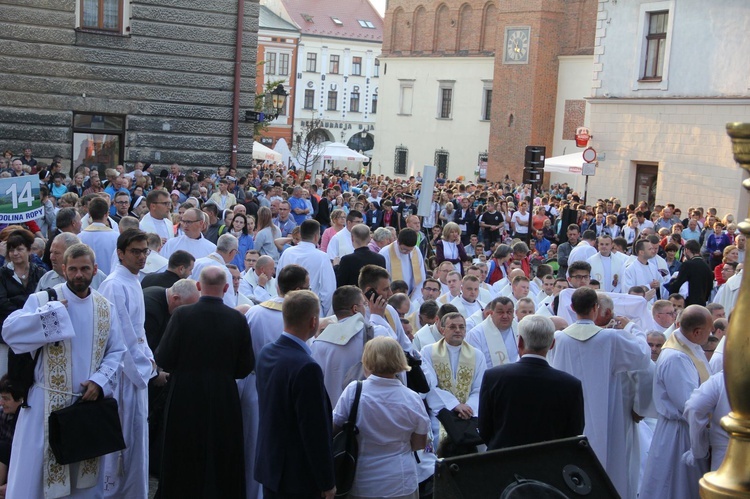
{"x":389,"y":413}
{"x":103,"y":241}
{"x":216,"y":260}
{"x":406,"y":268}
{"x":340,"y":244}
{"x":318,"y":265}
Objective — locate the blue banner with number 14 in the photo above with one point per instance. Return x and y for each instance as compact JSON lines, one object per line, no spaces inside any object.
{"x":19,"y":199}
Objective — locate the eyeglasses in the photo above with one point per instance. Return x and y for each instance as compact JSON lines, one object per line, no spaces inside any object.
{"x":122,"y":202}
{"x":581,"y":276}
{"x":434,"y":290}
{"x":137,"y":252}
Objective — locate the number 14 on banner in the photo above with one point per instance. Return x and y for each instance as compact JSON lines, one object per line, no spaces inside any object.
{"x":20,"y":200}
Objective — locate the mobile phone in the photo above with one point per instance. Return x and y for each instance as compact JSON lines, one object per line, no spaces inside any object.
{"x":372,"y":295}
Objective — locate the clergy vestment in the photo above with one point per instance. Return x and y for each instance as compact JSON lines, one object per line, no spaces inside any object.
{"x":680,"y":369}
{"x":216,"y":260}
{"x":640,"y":274}
{"x":163,"y":227}
{"x":318,"y":265}
{"x":340,"y":244}
{"x":605,"y":268}
{"x":250,"y":288}
{"x":465,"y":308}
{"x":582,"y":252}
{"x":266,"y":324}
{"x":498,"y":347}
{"x":708,"y":404}
{"x":202,"y":455}
{"x":391,"y":322}
{"x":103,"y":241}
{"x":428,"y":335}
{"x":474,"y":320}
{"x":716,"y":363}
{"x":70,"y":340}
{"x":126,"y":472}
{"x":455,"y":377}
{"x":728,"y":293}
{"x":595,"y":356}
{"x":339,"y":347}
{"x":197,"y":247}
{"x":405,"y":267}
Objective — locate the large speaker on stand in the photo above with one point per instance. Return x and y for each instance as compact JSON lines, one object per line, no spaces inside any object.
{"x":567,"y":217}
{"x":560,"y":469}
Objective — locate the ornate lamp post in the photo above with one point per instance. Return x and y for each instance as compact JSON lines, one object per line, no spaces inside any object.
{"x":732,"y":479}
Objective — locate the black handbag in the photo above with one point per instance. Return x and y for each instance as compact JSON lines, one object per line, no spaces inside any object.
{"x":85,"y":430}
{"x":460,"y":431}
{"x":346,"y":449}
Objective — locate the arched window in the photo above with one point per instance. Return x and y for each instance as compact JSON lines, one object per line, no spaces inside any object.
{"x":489,"y":28}
{"x":445,"y":34}
{"x":468,"y":38}
{"x":422,"y":41}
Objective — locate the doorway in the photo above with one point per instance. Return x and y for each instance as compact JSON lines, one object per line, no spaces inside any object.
{"x":645,"y":184}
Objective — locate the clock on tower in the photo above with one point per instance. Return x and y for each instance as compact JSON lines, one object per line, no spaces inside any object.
{"x":516,"y":47}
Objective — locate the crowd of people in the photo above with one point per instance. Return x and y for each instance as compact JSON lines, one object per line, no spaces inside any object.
{"x":231,"y":317}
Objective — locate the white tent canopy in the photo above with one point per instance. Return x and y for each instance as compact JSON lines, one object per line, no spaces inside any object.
{"x":263,"y":153}
{"x":282,"y":148}
{"x":336,"y":151}
{"x":569,"y":163}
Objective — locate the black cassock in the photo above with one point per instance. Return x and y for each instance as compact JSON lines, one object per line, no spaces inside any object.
{"x":205,"y":348}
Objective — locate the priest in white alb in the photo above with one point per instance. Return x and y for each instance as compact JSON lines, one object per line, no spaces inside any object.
{"x":680,"y":369}
{"x":404,"y":260}
{"x":192,"y":240}
{"x":80,"y":348}
{"x":126,"y":472}
{"x":496,"y":337}
{"x":596,"y":355}
{"x":454,"y":370}
{"x":467,"y":303}
{"x":226,"y":249}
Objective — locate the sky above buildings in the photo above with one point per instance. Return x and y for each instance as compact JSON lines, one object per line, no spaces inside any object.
{"x":379,"y":6}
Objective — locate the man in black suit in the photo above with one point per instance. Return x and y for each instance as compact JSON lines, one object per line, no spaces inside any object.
{"x":179,"y":266}
{"x":466,"y":218}
{"x":294,"y":459}
{"x":160,"y":303}
{"x":529,"y":401}
{"x":347,"y":272}
{"x":696,"y":273}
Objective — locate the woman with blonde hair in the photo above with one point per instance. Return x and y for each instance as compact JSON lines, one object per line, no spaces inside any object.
{"x":338,"y":222}
{"x":392,"y":423}
{"x":266,"y":233}
{"x":731,"y":254}
{"x":450,"y":249}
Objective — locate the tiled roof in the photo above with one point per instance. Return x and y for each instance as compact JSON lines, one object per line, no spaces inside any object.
{"x":269,"y":20}
{"x":319,"y":17}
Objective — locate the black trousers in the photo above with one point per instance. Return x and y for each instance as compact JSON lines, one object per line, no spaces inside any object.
{"x":270,"y":494}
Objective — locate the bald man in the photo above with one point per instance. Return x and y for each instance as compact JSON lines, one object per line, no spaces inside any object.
{"x":681,"y":368}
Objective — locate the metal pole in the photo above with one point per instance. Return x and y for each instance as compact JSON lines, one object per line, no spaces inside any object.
{"x":531,"y":210}
{"x":586,"y":190}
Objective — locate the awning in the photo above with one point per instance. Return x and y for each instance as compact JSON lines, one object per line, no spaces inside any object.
{"x":569,"y":163}
{"x":263,"y":153}
{"x":336,"y":151}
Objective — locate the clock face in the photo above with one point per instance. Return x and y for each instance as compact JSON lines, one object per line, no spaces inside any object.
{"x":516,"y":45}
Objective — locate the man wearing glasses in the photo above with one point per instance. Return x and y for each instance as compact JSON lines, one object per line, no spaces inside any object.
{"x":664,"y":313}
{"x":157,"y":220}
{"x":122,"y":206}
{"x":192,"y":240}
{"x":126,"y":472}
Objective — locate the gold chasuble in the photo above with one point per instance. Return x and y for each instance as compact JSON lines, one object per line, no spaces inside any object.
{"x":460,"y":387}
{"x":397,"y":272}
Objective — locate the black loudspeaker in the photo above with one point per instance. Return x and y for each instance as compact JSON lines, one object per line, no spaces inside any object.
{"x":568,"y":217}
{"x":560,"y":469}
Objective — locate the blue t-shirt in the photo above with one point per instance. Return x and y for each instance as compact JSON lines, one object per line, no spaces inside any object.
{"x":298,"y":203}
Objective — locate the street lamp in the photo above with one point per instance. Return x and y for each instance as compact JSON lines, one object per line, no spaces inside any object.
{"x":278,"y":98}
{"x":274,"y":104}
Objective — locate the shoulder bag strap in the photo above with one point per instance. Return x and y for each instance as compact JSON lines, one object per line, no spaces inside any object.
{"x":355,"y":405}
